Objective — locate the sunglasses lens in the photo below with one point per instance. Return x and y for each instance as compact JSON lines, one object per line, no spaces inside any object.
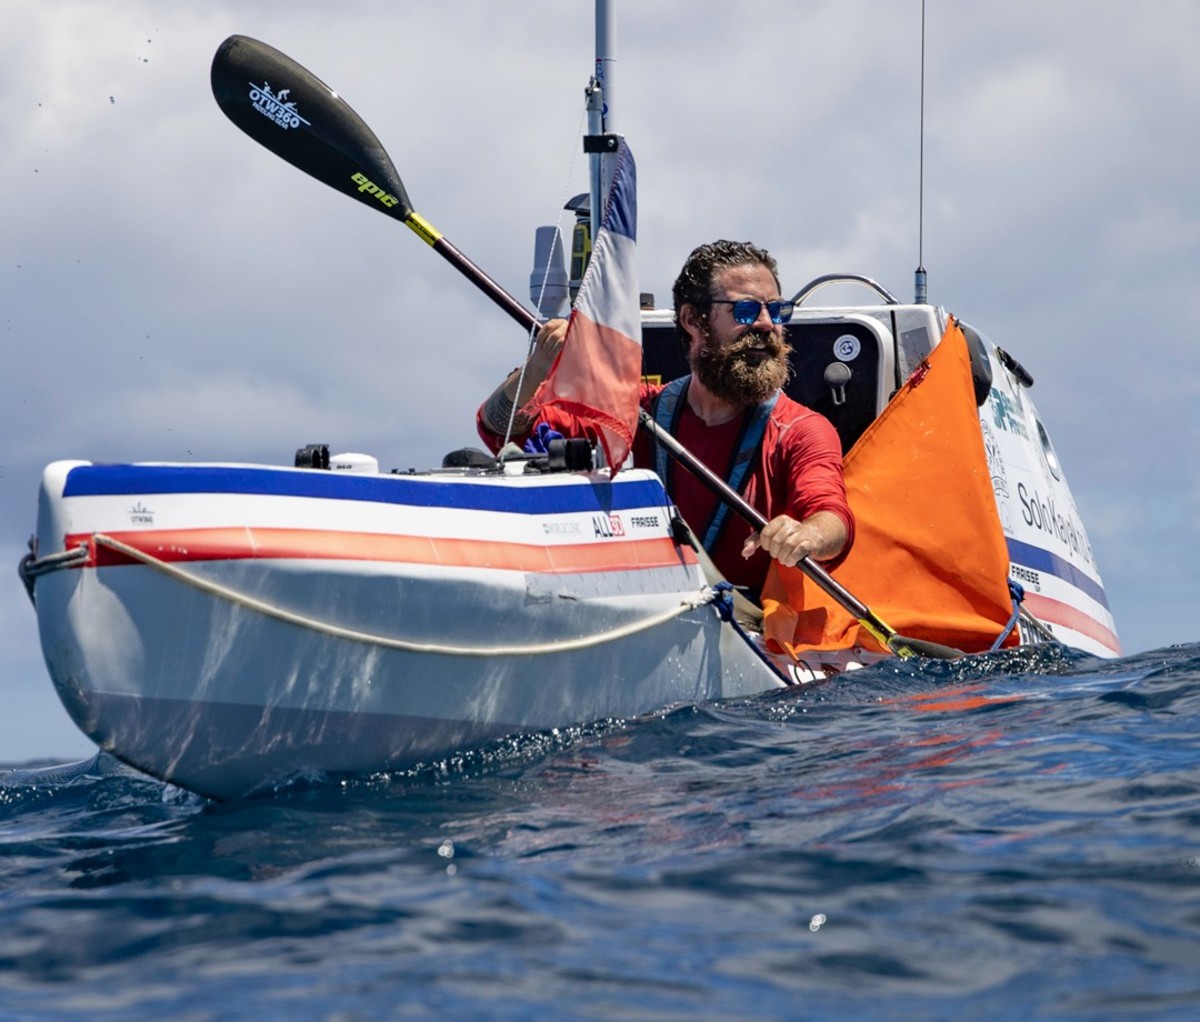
{"x":745,"y":311}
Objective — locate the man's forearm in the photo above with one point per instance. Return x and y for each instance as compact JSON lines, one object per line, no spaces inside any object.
{"x":821,"y":536}
{"x":498,"y":408}
{"x":829,"y":535}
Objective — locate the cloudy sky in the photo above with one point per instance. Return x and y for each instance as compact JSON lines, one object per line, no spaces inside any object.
{"x":172,"y":291}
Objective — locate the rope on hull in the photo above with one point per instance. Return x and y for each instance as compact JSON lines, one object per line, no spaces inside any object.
{"x":701,"y":599}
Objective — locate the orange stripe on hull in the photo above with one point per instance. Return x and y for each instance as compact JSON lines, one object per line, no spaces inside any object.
{"x":304,"y":544}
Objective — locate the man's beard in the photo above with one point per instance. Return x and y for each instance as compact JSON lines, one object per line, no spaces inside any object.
{"x":740,"y":374}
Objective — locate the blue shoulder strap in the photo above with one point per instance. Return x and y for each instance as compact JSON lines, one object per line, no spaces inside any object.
{"x":751,"y":441}
{"x":668,"y":406}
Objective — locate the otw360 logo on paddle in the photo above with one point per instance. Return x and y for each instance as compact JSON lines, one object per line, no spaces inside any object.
{"x":276,"y":108}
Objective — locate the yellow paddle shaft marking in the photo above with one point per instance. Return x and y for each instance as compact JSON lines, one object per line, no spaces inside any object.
{"x":423,"y":228}
{"x":882,"y":639}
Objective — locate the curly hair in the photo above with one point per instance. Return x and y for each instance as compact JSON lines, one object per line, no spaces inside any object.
{"x":693,"y":286}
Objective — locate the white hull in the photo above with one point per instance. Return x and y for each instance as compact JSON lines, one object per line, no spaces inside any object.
{"x":1048,"y":546}
{"x":226,"y":627}
{"x":222,"y":663}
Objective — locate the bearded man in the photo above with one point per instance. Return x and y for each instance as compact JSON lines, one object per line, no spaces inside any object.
{"x":784,"y":458}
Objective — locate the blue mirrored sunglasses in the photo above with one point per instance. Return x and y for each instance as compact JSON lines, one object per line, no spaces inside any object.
{"x":746,"y":310}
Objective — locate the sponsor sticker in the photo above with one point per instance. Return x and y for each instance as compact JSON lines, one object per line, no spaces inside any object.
{"x":276,"y":108}
{"x":607,"y":526}
{"x":847,"y":348}
{"x":369,"y":187}
{"x":1027,"y":577}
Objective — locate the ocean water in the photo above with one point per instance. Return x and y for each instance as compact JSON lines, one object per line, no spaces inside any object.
{"x":1011,"y":836}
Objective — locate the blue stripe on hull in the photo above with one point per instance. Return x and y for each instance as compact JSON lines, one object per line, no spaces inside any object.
{"x":111,"y":480}
{"x":1043,"y":560}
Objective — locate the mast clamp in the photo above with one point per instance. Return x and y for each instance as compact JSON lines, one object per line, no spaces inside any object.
{"x":606,"y":143}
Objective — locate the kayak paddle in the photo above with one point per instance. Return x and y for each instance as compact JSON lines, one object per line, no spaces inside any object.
{"x":288,"y":110}
{"x":291,"y":112}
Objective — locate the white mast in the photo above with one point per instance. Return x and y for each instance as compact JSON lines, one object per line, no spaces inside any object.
{"x":600,"y":143}
{"x":606,"y":61}
{"x":921,"y":278}
{"x":601,"y":115}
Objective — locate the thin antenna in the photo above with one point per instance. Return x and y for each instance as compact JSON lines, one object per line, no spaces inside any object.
{"x":922,"y":289}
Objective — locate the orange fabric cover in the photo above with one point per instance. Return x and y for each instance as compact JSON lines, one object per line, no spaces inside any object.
{"x":929,"y":555}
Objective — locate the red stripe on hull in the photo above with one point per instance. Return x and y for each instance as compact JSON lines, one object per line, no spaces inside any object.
{"x":304,"y":544}
{"x":1056,"y":612}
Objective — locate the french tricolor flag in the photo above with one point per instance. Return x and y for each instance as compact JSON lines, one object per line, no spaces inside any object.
{"x":597,"y":375}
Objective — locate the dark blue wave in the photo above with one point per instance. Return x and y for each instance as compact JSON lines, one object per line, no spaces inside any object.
{"x":1013,"y":835}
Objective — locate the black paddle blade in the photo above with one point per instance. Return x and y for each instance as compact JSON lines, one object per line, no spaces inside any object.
{"x":290,"y":111}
